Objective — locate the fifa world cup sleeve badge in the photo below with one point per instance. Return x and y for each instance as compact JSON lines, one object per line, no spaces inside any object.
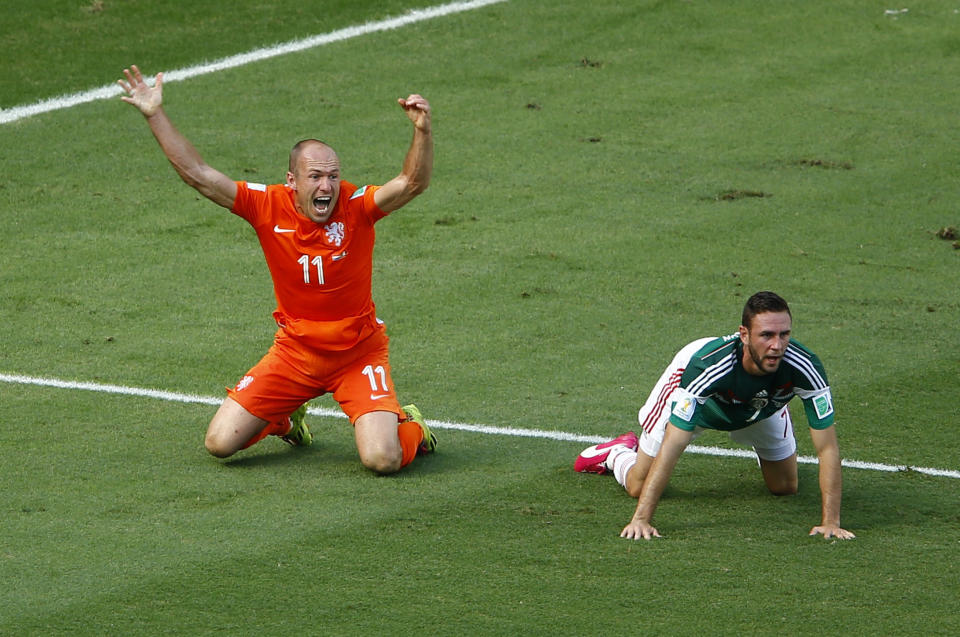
{"x":823,"y":405}
{"x":684,"y":408}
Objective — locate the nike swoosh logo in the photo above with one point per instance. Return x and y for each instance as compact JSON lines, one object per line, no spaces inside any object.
{"x":337,"y":257}
{"x":378,"y":396}
{"x":278,"y":229}
{"x":593,"y":452}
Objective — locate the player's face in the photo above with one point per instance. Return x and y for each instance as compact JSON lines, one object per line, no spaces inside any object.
{"x":316,"y":181}
{"x":765,"y":342}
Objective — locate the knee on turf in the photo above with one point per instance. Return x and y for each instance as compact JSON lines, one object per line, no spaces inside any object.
{"x":217,"y":446}
{"x":380,"y":461}
{"x":634,"y":489}
{"x":783,"y":487}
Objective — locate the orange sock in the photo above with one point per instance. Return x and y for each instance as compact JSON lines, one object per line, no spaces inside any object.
{"x":275,"y":428}
{"x":411,"y":435}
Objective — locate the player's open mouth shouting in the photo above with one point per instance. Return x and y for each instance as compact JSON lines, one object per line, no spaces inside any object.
{"x":322,"y":204}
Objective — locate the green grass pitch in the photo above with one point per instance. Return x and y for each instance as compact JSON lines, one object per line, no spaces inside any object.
{"x":612,"y":180}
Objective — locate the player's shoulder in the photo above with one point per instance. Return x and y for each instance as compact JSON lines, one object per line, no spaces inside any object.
{"x":716,"y":349}
{"x":258,"y":203}
{"x":348,"y":190}
{"x":359,"y":201}
{"x":800,"y":348}
{"x":260,"y":190}
{"x":711,"y":365}
{"x":806,"y":363}
{"x":799,"y":354}
{"x":357,"y":195}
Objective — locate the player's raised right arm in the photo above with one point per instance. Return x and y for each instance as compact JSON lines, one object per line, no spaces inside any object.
{"x":188,"y":163}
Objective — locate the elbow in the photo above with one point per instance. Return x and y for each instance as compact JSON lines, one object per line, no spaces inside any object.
{"x":418,"y":187}
{"x":192,"y":182}
{"x":189,"y":175}
{"x":415,"y":182}
{"x":412,"y":187}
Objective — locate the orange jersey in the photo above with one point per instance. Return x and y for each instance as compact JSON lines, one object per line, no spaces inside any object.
{"x":321,"y":274}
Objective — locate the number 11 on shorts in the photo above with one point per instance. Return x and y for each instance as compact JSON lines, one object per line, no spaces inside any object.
{"x":375,"y":374}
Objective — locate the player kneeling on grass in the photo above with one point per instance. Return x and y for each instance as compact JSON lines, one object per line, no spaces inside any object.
{"x":316,"y":233}
{"x":740,"y":383}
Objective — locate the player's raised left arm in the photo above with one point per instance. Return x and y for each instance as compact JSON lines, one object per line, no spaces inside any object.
{"x":417,"y":168}
{"x":831,"y":483}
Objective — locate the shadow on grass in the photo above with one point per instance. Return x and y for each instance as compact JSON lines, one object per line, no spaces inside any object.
{"x":280,"y":457}
{"x":873,"y":500}
{"x":332,"y":457}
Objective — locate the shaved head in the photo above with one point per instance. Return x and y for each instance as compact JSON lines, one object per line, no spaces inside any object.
{"x":300,"y":146}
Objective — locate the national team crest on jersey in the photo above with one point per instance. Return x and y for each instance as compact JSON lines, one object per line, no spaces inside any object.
{"x":244,"y":383}
{"x":335,"y":232}
{"x":759,"y":401}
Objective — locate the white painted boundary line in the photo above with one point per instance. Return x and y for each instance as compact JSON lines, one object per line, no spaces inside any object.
{"x":416,"y":15}
{"x":482,"y":429}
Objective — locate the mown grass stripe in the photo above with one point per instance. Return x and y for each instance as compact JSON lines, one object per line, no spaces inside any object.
{"x":241,"y":59}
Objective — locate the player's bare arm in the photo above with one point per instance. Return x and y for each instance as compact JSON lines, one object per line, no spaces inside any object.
{"x":417,"y":167}
{"x":674,"y":442}
{"x":831,"y":483}
{"x":185,"y":159}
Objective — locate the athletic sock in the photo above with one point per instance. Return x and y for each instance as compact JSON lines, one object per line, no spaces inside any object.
{"x":622,"y":463}
{"x":411,"y":435}
{"x":281,"y":428}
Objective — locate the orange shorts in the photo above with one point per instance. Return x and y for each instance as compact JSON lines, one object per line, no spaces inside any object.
{"x":290,"y":374}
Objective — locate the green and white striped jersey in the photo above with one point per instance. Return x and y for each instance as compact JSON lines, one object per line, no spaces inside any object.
{"x":715,"y":391}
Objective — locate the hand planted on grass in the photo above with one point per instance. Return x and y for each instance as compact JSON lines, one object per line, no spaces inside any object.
{"x":831,"y":530}
{"x":636,"y":530}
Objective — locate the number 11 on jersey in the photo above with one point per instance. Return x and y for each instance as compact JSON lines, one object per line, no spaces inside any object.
{"x":306,"y":262}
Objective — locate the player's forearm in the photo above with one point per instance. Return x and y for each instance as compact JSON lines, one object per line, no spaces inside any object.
{"x":179,"y":151}
{"x":414,"y":177}
{"x":654,"y":486}
{"x":831,"y":487}
{"x":418,"y":163}
{"x":647,"y":503}
{"x":674,"y":442}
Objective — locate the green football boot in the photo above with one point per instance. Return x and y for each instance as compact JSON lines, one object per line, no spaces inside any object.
{"x":429,"y":443}
{"x":299,"y":434}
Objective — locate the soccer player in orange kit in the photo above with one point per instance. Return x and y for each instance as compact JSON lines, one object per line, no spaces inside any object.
{"x":317,"y":235}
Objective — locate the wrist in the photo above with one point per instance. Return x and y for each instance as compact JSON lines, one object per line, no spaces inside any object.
{"x":152,"y":112}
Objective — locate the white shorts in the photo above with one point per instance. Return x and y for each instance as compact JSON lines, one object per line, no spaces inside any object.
{"x":772,"y":438}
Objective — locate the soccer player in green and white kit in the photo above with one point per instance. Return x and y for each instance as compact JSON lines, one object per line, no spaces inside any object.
{"x":741,"y":384}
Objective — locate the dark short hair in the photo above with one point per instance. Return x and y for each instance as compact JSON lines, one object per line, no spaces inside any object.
{"x":298,"y":148}
{"x":763,"y":302}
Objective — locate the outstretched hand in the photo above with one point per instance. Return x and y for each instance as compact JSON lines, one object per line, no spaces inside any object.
{"x":417,"y":109}
{"x":832,"y":531}
{"x":146,"y":98}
